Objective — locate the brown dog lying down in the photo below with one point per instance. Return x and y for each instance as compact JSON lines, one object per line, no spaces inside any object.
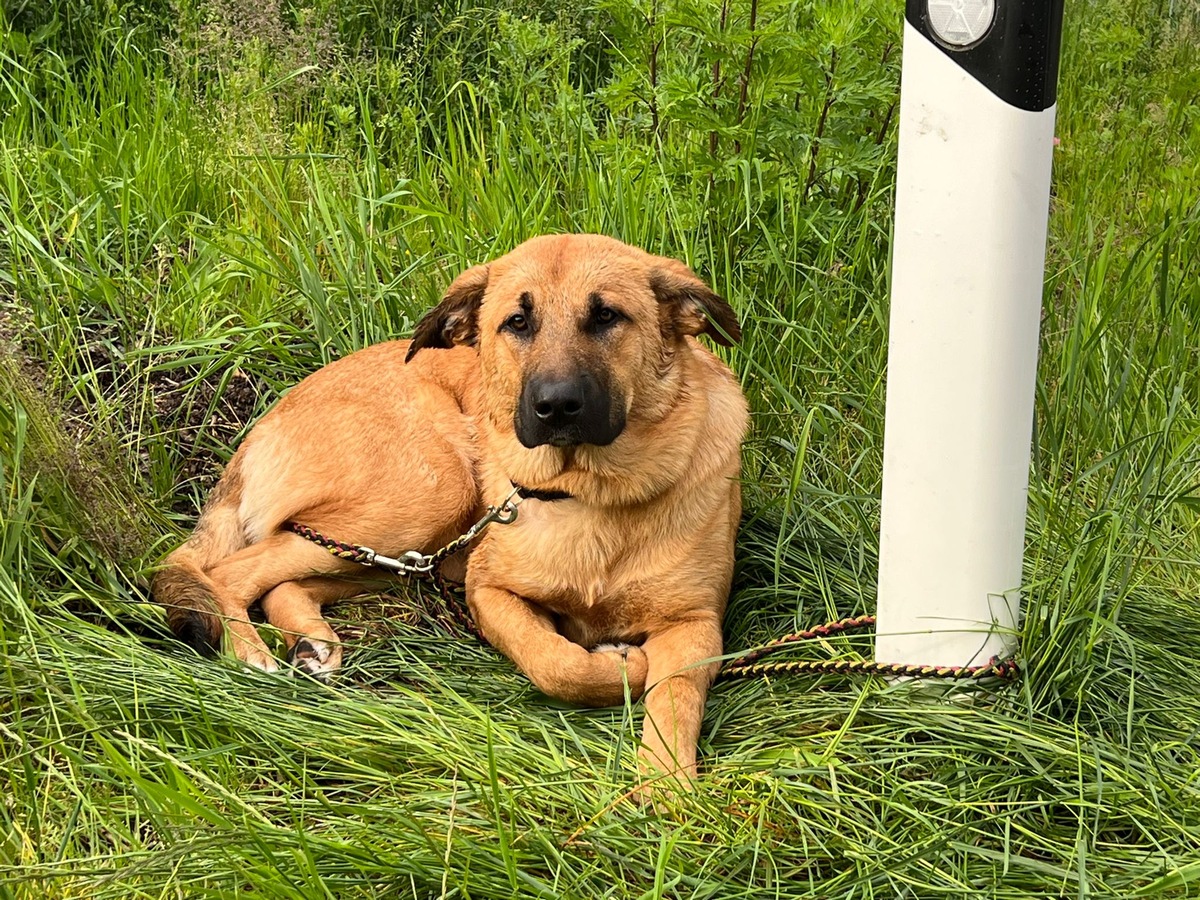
{"x":569,"y":365}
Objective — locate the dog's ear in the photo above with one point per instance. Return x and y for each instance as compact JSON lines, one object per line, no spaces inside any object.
{"x":690,"y":306}
{"x":455,"y":320}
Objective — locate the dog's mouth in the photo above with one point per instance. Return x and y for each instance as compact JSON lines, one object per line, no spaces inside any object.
{"x":531,"y":435}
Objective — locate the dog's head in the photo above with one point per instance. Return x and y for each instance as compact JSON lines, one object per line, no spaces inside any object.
{"x":577,"y":335}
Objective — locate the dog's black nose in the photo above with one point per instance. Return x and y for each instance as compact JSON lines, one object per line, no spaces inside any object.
{"x":558,"y":403}
{"x":568,"y":409}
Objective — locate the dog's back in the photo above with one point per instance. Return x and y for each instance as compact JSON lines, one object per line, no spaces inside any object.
{"x":368,"y":449}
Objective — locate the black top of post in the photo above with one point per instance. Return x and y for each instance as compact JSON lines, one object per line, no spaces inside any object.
{"x":1017,"y":59}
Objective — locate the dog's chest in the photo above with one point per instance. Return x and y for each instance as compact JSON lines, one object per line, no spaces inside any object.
{"x":578,"y":562}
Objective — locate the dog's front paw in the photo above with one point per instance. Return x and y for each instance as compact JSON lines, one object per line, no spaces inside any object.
{"x":662,"y":781}
{"x":316,"y":658}
{"x":664,"y":793}
{"x":629,"y":657}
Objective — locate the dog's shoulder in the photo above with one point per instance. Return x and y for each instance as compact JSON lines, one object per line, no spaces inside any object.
{"x":728,"y":414}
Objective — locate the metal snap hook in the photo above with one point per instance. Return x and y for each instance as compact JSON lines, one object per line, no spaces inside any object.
{"x":506,"y":514}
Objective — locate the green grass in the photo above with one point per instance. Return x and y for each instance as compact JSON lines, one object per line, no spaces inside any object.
{"x":188,"y":226}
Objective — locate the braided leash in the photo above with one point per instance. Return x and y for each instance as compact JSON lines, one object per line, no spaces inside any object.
{"x":426,"y":566}
{"x":350,"y":552}
{"x":411,"y":565}
{"x":748,"y":665}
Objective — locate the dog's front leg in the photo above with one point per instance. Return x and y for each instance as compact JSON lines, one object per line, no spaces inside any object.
{"x":561,"y":668}
{"x":677,"y":684}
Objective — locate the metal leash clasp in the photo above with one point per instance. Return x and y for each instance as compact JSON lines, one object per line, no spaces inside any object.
{"x":504,"y":514}
{"x":411,"y":563}
{"x":414,"y":562}
{"x":417,"y":564}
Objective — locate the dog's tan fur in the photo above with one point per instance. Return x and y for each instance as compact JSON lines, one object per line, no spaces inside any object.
{"x":402,"y":455}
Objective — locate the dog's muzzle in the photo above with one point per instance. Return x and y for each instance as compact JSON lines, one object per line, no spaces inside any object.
{"x":568,"y":410}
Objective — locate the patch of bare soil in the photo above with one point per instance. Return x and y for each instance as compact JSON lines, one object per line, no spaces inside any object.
{"x":204,"y":413}
{"x":198,"y":413}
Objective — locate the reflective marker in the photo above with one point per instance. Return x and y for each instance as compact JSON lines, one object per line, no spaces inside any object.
{"x":961,"y":22}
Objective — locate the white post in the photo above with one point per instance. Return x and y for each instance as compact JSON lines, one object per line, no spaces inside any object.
{"x":973,"y":186}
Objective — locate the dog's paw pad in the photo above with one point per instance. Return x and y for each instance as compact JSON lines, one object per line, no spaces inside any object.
{"x":313,"y":657}
{"x":622,"y":649}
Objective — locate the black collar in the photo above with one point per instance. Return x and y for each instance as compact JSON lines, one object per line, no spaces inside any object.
{"x":532,"y":494}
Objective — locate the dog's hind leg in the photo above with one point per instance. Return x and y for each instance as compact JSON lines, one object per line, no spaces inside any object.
{"x":181,"y":584}
{"x":294,"y":607}
{"x":244,"y":641}
{"x":245,"y":576}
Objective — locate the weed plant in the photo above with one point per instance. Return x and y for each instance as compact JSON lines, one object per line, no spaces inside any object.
{"x":202,"y":201}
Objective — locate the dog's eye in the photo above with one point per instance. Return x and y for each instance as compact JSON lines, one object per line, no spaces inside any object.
{"x":517,"y":324}
{"x":604,"y":316}
{"x":600,"y":317}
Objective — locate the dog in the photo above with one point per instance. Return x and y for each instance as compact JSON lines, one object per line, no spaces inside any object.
{"x":570,"y":367}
